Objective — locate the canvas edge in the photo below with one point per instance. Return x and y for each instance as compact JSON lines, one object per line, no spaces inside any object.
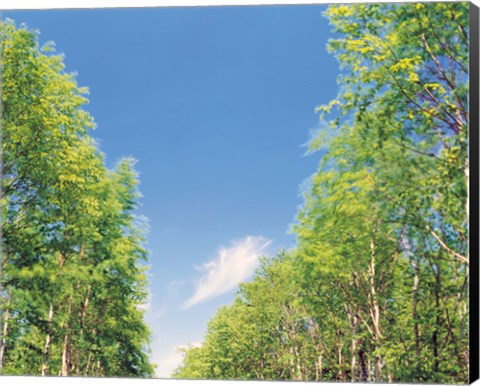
{"x":474,"y":191}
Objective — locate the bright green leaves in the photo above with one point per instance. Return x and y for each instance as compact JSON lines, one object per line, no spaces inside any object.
{"x":376,"y":288}
{"x":379,"y":216}
{"x":72,"y":281}
{"x":264,"y":334}
{"x":407,"y":56}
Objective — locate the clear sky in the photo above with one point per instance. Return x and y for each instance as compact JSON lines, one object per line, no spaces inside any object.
{"x":216,"y":104}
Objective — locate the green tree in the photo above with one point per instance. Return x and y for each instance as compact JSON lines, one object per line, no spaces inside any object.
{"x":397,"y":169}
{"x":265,"y":333}
{"x":376,"y":289}
{"x":72,"y":280}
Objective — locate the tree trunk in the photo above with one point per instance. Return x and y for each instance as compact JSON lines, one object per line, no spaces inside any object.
{"x":48,"y":340}
{"x":363,"y":368}
{"x":319,"y":368}
{"x":369,"y":366}
{"x":3,"y":344}
{"x":438,"y":319}
{"x":65,"y":356}
{"x":353,"y":348}
{"x":375,"y":312}
{"x":87,"y":367}
{"x":353,"y":319}
{"x":389,"y":375}
{"x":416,"y":281}
{"x":83,"y":314}
{"x":353,"y":363}
{"x":341,"y":372}
{"x":298,"y":370}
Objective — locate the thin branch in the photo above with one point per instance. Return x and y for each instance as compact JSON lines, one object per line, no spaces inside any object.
{"x":445,"y":45}
{"x":461,"y":28}
{"x":431,"y":155}
{"x":444,"y":76}
{"x":460,"y":257}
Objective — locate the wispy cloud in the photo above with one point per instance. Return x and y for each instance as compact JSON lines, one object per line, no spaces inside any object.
{"x":174,"y":286}
{"x":231,"y":266}
{"x":166,"y":364}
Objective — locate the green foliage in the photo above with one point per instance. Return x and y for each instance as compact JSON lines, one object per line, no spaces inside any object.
{"x":264,"y":334}
{"x":72,"y":283}
{"x":376,"y":289}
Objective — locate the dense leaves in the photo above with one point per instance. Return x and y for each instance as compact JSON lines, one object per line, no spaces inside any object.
{"x":376,"y":289}
{"x":72,"y":278}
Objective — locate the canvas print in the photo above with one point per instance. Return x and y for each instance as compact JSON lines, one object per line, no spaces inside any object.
{"x":278,"y":193}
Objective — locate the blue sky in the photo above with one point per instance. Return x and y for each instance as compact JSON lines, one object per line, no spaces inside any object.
{"x":216,"y":104}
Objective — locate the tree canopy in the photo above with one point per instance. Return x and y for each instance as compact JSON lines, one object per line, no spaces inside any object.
{"x":72,"y":280}
{"x":376,"y":289}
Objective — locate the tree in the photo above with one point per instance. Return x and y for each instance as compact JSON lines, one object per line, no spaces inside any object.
{"x":72,"y":282}
{"x":401,"y":120}
{"x":376,"y":289}
{"x":264,"y":334}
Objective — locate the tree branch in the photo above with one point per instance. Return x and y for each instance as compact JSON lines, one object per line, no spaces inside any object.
{"x":460,"y":257}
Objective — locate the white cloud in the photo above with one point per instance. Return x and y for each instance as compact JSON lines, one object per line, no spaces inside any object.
{"x":168,"y":363}
{"x":231,"y":266}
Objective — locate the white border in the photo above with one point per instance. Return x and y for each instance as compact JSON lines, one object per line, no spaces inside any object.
{"x":78,"y":4}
